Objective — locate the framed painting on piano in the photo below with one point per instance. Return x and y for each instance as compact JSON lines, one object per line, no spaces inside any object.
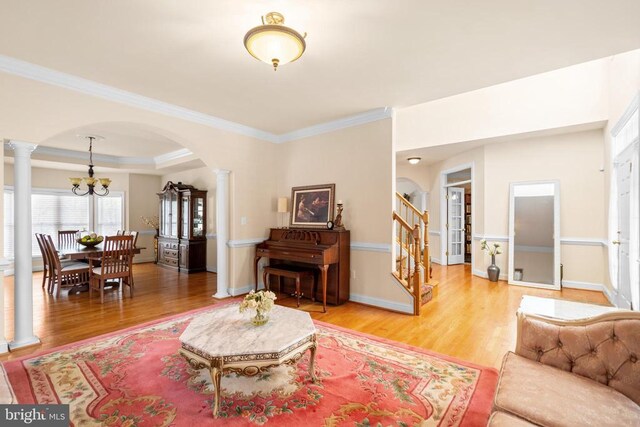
{"x":312,"y":206}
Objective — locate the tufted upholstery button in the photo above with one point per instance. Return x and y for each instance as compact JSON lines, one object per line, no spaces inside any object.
{"x":633,"y":358}
{"x":540,"y":352}
{"x":560,"y":344}
{"x":594,"y":351}
{"x":614,"y":337}
{"x":609,"y":376}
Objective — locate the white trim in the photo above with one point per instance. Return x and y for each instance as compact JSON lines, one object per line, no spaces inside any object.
{"x":434,"y":233}
{"x":332,"y":126}
{"x":234,"y":292}
{"x":610,"y":295}
{"x":455,"y":184}
{"x":583,"y":241}
{"x":435,"y":261}
{"x":484,"y":275}
{"x":587,"y":286}
{"x":88,"y":87}
{"x":173,"y":155}
{"x":147,"y":233}
{"x":141,"y":260}
{"x":491,"y":238}
{"x":211,"y":236}
{"x":626,"y":116}
{"x":382,"y":303}
{"x":243,"y":243}
{"x":212,"y":269}
{"x":370,"y":247}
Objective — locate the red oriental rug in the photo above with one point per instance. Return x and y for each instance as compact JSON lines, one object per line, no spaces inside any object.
{"x":135,"y":377}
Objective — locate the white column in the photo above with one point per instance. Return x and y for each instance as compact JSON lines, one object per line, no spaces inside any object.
{"x":23,"y":287}
{"x":222,"y":231}
{"x":4,"y":346}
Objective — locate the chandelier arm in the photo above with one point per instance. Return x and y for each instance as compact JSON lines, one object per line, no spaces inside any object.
{"x":75,"y":191}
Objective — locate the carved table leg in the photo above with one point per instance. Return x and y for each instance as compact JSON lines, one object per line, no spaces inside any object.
{"x":312,"y":360}
{"x":216,"y":377}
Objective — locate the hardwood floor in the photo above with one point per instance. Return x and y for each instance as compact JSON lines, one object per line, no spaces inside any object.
{"x":469,"y":317}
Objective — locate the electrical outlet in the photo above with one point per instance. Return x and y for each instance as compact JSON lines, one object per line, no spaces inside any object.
{"x":243,"y":220}
{"x":353,"y":274}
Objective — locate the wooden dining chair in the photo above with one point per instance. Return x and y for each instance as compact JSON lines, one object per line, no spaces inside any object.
{"x":67,"y":237}
{"x":117,"y":264}
{"x":46,"y":271}
{"x":129,"y":233}
{"x":63,"y":274}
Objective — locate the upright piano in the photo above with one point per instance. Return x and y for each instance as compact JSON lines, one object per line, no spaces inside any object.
{"x":326,"y":250}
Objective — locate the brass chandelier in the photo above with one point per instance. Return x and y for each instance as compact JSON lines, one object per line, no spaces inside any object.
{"x":90,"y":180}
{"x":273,"y":42}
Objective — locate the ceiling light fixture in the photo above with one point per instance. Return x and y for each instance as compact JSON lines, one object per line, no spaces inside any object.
{"x":273,"y":42}
{"x":414,"y":160}
{"x":90,"y":180}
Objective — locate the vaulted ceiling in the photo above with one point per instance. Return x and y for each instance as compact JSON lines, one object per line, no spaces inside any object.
{"x":361,"y":54}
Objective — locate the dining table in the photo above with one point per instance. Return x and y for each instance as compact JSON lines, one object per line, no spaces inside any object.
{"x":78,"y":251}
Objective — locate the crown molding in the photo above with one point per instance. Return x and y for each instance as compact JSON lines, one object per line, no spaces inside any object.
{"x":88,"y":87}
{"x":343,"y":123}
{"x":107,"y":159}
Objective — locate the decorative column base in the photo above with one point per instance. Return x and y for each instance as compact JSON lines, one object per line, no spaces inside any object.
{"x":221,"y":295}
{"x":25,"y":342}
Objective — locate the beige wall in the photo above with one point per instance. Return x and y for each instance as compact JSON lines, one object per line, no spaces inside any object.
{"x":567,"y":97}
{"x":202,"y":179}
{"x":359,"y":161}
{"x":574,"y":159}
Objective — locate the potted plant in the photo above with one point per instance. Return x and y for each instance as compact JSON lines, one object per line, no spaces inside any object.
{"x":493,"y":271}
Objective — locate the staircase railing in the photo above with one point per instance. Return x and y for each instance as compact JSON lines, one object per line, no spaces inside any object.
{"x":408,"y":266}
{"x":413,"y":216}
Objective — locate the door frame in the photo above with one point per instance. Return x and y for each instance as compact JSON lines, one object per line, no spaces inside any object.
{"x":444,"y":235}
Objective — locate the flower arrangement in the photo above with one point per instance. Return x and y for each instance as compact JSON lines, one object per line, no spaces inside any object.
{"x":492,"y":249}
{"x":261,"y":302}
{"x":152,"y":221}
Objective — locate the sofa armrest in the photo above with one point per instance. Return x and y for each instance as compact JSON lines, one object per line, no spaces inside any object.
{"x":605,"y":348}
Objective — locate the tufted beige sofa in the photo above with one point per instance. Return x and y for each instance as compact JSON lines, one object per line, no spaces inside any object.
{"x":571,"y":373}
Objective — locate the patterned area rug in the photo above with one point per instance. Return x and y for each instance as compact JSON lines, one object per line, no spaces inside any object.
{"x":135,"y":377}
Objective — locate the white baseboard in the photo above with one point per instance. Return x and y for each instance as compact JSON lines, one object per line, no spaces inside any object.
{"x":484,"y":274}
{"x":382,"y":303}
{"x":587,"y":286}
{"x":610,"y":296}
{"x":436,"y":261}
{"x":234,"y":292}
{"x":212,"y":269}
{"x":140,"y":260}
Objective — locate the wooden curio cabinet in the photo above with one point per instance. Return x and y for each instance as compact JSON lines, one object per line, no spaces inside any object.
{"x":182,"y":243}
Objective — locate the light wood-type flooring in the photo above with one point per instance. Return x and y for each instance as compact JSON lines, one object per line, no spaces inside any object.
{"x":469,"y":317}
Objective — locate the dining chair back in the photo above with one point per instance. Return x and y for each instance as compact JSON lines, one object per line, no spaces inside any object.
{"x":116,"y":264}
{"x":46,"y":264}
{"x":67,"y":274}
{"x":129,"y":233}
{"x":67,"y":237}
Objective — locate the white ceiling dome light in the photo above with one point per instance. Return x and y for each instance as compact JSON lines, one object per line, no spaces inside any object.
{"x":273,"y":42}
{"x":414,"y":160}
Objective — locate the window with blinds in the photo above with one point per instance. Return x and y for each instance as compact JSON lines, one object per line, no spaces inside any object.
{"x":55,"y":210}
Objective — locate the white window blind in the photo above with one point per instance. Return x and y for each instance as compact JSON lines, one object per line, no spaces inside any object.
{"x":55,"y":210}
{"x":109,"y":215}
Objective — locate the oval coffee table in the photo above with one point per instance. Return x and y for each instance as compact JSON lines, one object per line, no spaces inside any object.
{"x":225,"y":341}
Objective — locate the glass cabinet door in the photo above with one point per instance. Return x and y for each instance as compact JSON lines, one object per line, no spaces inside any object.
{"x":198,"y":217}
{"x":174,"y":215}
{"x":184,"y":214}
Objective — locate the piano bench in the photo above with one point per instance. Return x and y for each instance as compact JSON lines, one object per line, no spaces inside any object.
{"x":292,"y":272}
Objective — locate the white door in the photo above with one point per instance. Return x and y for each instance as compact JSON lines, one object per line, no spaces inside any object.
{"x":624,"y":169}
{"x":455,"y":225}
